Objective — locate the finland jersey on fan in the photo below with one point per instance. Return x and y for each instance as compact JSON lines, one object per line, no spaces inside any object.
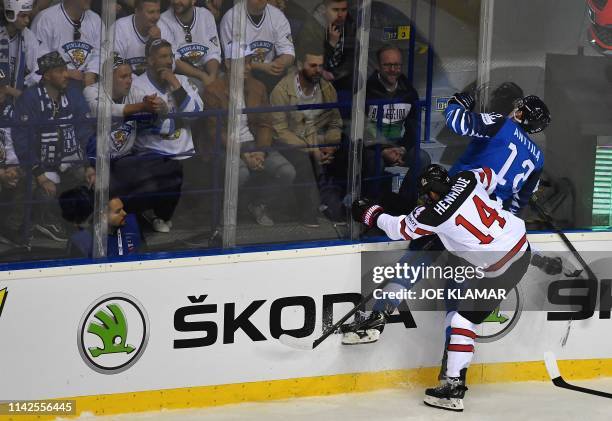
{"x":501,"y":144}
{"x":469,"y":223}
{"x":130,"y":44}
{"x":204,"y":45}
{"x":25,"y":41}
{"x":55,"y":32}
{"x":170,"y":136}
{"x":269,"y":38}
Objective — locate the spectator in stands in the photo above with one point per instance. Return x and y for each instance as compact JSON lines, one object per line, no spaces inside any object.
{"x":333,"y":29}
{"x":40,"y":5}
{"x":74,"y":31}
{"x":215,"y":7}
{"x":268,"y":34}
{"x":12,"y":188}
{"x":20,"y":48}
{"x":124,"y":235}
{"x":52,"y":150}
{"x":393,"y":143}
{"x":164,"y":146}
{"x":310,"y":136}
{"x":123,"y":180}
{"x":193,"y":35}
{"x":123,"y":7}
{"x":257,"y":157}
{"x":132,"y":33}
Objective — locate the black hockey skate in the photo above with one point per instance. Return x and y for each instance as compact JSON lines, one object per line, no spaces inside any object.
{"x":448,"y":395}
{"x":364,"y":330}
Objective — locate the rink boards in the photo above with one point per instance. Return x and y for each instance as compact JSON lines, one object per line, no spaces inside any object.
{"x":201,"y":331}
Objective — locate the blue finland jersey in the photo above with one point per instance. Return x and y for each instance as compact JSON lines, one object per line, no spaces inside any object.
{"x":501,"y":144}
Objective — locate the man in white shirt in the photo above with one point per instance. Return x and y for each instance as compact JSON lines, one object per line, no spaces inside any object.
{"x":268,"y":34}
{"x":73,"y":30}
{"x":17,"y":56}
{"x":194,"y":38}
{"x":132,"y":33}
{"x":165,"y":152}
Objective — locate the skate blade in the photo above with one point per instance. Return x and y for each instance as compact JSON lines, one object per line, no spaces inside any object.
{"x":368,"y":337}
{"x":453,"y":404}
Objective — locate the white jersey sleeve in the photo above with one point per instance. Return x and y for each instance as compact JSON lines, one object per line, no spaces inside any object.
{"x":283,"y":42}
{"x":486,"y":177}
{"x":92,"y":97}
{"x":32,"y":54}
{"x":10,"y":157}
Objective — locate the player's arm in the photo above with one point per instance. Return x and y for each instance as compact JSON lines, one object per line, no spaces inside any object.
{"x":521,"y":198}
{"x":403,"y":227}
{"x":461,"y":120}
{"x":487,"y":177}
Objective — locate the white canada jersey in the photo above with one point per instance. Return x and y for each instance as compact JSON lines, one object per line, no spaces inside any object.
{"x":204,"y":45}
{"x":27,"y":41}
{"x":171,"y":136}
{"x":268,"y":39}
{"x":469,"y":223}
{"x":55,"y":32}
{"x":123,"y":133}
{"x":130,"y":44}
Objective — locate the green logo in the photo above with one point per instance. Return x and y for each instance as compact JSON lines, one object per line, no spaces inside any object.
{"x":113,"y":333}
{"x":496,"y":317}
{"x":500,"y":322}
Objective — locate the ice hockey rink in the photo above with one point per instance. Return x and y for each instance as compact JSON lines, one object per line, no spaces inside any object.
{"x":503,"y":401}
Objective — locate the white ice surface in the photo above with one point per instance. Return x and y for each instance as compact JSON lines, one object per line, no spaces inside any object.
{"x":540,"y":401}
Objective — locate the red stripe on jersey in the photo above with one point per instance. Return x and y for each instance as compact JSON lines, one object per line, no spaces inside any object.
{"x":508,"y":255}
{"x":421,"y":231}
{"x":461,"y":348}
{"x":403,"y":230}
{"x":482,"y":176}
{"x":489,"y":175}
{"x":463,"y":332}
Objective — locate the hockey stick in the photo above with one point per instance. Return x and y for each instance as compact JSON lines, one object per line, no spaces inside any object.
{"x":555,"y":375}
{"x":308,"y":344}
{"x":549,"y":221}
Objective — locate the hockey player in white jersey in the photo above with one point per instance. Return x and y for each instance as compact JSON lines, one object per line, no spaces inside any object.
{"x":18,"y":49}
{"x":474,"y":227}
{"x":268,"y":34}
{"x":72,"y":29}
{"x":194,"y":38}
{"x":132,"y":33}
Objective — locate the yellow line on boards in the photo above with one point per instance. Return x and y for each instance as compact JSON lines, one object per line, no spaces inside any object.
{"x":205,"y":396}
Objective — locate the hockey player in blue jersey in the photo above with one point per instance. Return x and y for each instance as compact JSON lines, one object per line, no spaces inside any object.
{"x":502,"y":143}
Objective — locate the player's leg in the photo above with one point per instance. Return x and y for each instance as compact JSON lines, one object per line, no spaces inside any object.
{"x":460,"y":351}
{"x":367,"y":326}
{"x":460,"y":345}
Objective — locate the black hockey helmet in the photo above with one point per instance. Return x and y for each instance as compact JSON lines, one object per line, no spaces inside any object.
{"x":434,"y":179}
{"x":536,"y":116}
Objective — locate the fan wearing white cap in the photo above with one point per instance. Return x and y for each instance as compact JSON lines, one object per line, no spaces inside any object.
{"x":18,"y":48}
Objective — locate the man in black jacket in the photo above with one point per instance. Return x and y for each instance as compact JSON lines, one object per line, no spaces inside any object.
{"x":390,"y":137}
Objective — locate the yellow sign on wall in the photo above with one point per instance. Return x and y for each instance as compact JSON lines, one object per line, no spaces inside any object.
{"x":403,"y":32}
{"x":3,"y":294}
